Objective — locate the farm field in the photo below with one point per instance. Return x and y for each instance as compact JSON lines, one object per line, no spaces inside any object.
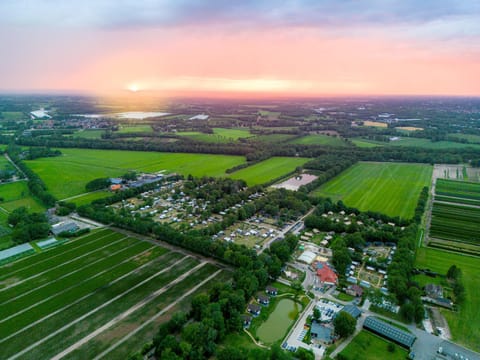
{"x":12,"y":115}
{"x":125,"y":129}
{"x":319,"y":140}
{"x":89,"y":197}
{"x":475,"y":139}
{"x":367,"y":346}
{"x":67,"y":175}
{"x":219,"y":135}
{"x":93,"y":294}
{"x":17,"y":194}
{"x":464,"y":323}
{"x":364,"y":143}
{"x":458,"y":189}
{"x":389,"y":188}
{"x":268,"y":170}
{"x":274,"y":138}
{"x":89,"y":134}
{"x":419,"y":142}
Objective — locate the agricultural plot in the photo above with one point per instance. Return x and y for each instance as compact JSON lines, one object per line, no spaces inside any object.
{"x":458,"y":190}
{"x":88,"y":297}
{"x":320,"y":140}
{"x":124,"y":129}
{"x":219,"y":135}
{"x":455,"y":222}
{"x":268,"y":170}
{"x":416,"y":142}
{"x":463,"y":324}
{"x":89,"y":134}
{"x":389,"y":188}
{"x":67,"y":175}
{"x":17,"y":194}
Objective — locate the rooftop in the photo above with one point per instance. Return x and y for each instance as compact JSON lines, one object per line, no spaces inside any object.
{"x":389,"y":331}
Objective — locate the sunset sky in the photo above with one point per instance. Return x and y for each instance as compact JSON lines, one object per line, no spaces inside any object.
{"x":299,"y":48}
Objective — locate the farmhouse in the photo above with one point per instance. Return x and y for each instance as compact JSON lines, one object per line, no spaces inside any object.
{"x":254,"y":309}
{"x":389,"y":332}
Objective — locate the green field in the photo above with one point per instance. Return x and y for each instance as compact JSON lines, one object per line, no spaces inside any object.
{"x":458,"y":189}
{"x":274,"y":138}
{"x":320,"y":140}
{"x":365,"y":143}
{"x":474,"y":139}
{"x":125,"y":129}
{"x":89,"y":134}
{"x":367,"y":346}
{"x":67,"y":175}
{"x":104,"y":285}
{"x":268,"y":170}
{"x":220,"y":135}
{"x":17,"y":194}
{"x":417,"y":142}
{"x":389,"y":188}
{"x":89,"y":197}
{"x":13,"y":115}
{"x":464,"y":323}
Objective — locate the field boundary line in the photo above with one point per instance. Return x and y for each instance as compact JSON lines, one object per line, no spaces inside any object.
{"x":62,"y":264}
{"x":53,"y":257}
{"x":157,"y":315}
{"x":84,"y":316}
{"x":70,"y":287}
{"x":126,"y":313}
{"x":80,"y":299}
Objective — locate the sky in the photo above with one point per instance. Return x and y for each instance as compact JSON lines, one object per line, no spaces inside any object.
{"x":241,"y":47}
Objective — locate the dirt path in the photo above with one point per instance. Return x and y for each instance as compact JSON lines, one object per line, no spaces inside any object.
{"x":84,"y":316}
{"x":157,"y":315}
{"x":126,"y":313}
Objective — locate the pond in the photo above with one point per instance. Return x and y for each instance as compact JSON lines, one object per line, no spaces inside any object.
{"x":279,"y":321}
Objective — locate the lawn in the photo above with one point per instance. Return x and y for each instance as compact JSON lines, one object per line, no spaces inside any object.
{"x":67,"y":175}
{"x":465,"y":323}
{"x":320,"y":140}
{"x":389,"y":188}
{"x":367,"y":346}
{"x":17,"y":194}
{"x":268,"y":170}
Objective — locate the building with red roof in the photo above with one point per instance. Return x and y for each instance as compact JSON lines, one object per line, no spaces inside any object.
{"x":325,"y":274}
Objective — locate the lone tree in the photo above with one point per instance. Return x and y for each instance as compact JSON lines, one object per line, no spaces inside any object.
{"x":344,"y":324}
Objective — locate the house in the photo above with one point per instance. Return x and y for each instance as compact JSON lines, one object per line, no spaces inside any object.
{"x":321,"y":333}
{"x":270,"y":290}
{"x":354,"y":290}
{"x":246,"y":320}
{"x":263,"y":299}
{"x":434,"y":291}
{"x":254,"y":309}
{"x":115,"y":187}
{"x":326,"y":275}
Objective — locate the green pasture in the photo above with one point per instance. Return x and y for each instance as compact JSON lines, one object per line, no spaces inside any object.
{"x":464,"y":323}
{"x":17,"y":194}
{"x":474,"y":139}
{"x":89,"y":134}
{"x":12,"y":115}
{"x":126,"y":129}
{"x":389,"y":188}
{"x":274,"y":138}
{"x":89,"y":197}
{"x":67,"y":175}
{"x":268,"y":170}
{"x":365,"y":143}
{"x":319,"y":140}
{"x":367,"y":346}
{"x":416,"y":142}
{"x":220,"y":135}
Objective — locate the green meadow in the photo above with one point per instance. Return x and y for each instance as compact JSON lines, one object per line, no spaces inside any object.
{"x":268,"y":170}
{"x":367,"y":346}
{"x":220,"y":135}
{"x":67,"y":175}
{"x":320,"y":140}
{"x":415,"y":142}
{"x":389,"y":188}
{"x":17,"y":194}
{"x":464,"y":323}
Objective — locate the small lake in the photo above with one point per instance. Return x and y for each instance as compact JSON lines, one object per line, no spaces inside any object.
{"x":278,"y":322}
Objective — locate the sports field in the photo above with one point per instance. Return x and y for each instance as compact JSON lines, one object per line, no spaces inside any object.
{"x":89,"y":297}
{"x":320,"y":140}
{"x":389,"y":188}
{"x":66,"y":176}
{"x":464,"y":323}
{"x":268,"y":170}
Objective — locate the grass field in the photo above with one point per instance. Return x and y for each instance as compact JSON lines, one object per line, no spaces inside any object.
{"x":320,"y":140}
{"x":274,"y":138}
{"x":89,"y":134}
{"x":67,"y":175}
{"x":367,"y":346}
{"x":13,"y":115}
{"x":418,"y":142}
{"x":475,"y":139}
{"x":219,"y":135}
{"x":464,"y":324}
{"x":268,"y":170}
{"x":125,"y":129}
{"x":364,"y":143}
{"x":389,"y":188}
{"x":17,"y":194}
{"x":91,"y":294}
